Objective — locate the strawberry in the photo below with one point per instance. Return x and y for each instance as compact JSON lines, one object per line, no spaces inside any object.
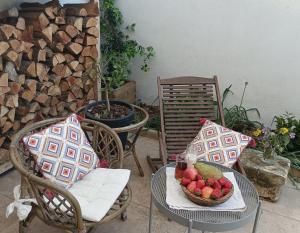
{"x":216,"y":194}
{"x":206,"y":192}
{"x":217,"y":185}
{"x":228,"y":184}
{"x":199,"y":177}
{"x":225,"y":191}
{"x":200,"y":184}
{"x":185,"y":181}
{"x":222,"y":181}
{"x":197,"y":191}
{"x":191,"y":186}
{"x":210,"y":181}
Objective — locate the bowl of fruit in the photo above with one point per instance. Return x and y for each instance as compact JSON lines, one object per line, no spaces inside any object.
{"x":205,"y":185}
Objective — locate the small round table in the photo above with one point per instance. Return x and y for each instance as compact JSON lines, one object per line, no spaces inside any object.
{"x":212,"y":221}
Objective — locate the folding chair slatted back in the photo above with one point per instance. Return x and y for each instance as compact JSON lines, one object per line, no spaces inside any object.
{"x":183,"y":100}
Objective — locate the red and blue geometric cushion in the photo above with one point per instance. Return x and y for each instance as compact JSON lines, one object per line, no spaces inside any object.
{"x":63,"y":152}
{"x":218,"y":144}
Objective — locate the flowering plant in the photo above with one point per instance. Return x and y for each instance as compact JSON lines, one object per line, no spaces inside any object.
{"x":271,"y":141}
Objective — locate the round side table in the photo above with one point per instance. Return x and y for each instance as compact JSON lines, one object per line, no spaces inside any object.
{"x":212,"y":221}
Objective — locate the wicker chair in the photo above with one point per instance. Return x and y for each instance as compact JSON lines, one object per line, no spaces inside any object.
{"x":182,"y":101}
{"x":65,"y":212}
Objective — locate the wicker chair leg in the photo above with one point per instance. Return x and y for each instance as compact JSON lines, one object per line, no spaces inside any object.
{"x":23,"y":225}
{"x":124,"y":216}
{"x":136,"y":159}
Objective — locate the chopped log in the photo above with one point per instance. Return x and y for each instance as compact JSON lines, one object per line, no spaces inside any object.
{"x":22,"y":110}
{"x":73,"y":65}
{"x":71,"y":30}
{"x":64,"y":86}
{"x":46,"y":34}
{"x":1,"y":64}
{"x":79,"y":82}
{"x":28,"y":95}
{"x":62,"y":37}
{"x":69,"y":58}
{"x":27,"y":46}
{"x":28,"y":117}
{"x":16,"y":45}
{"x":93,"y":31}
{"x":28,"y":68}
{"x":88,"y":62}
{"x":3,"y":47}
{"x":39,"y":54}
{"x":17,"y":125}
{"x":43,"y":20}
{"x":71,"y":80}
{"x":53,"y":111}
{"x":28,"y":55}
{"x":80,"y":67}
{"x":50,"y":12}
{"x":71,"y":97}
{"x":58,"y":58}
{"x":90,"y":51}
{"x":55,"y":80}
{"x":7,"y":126}
{"x":60,"y":106}
{"x":4,"y":80}
{"x":11,"y":114}
{"x":21,"y":24}
{"x":79,"y":40}
{"x":46,"y":85}
{"x":90,"y":40}
{"x":34,"y":107}
{"x":41,"y":98}
{"x":54,"y":91}
{"x":41,"y":43}
{"x":17,"y":34}
{"x":91,"y":95}
{"x":2,"y":97}
{"x":73,"y":107}
{"x":7,"y":30}
{"x":3,"y":120}
{"x":76,"y":90}
{"x":45,"y":111}
{"x":2,"y":140}
{"x":54,"y":101}
{"x":38,"y":16}
{"x":76,"y":22}
{"x":31,"y":85}
{"x":14,"y":87}
{"x":4,"y":90}
{"x":3,"y":111}
{"x":21,"y":79}
{"x":77,"y":74}
{"x":54,"y":27}
{"x":27,"y":34}
{"x":10,"y":69}
{"x":12,"y":101}
{"x":60,"y":20}
{"x":57,"y":47}
{"x":42,"y":71}
{"x":12,"y":56}
{"x":62,"y":70}
{"x":89,"y":22}
{"x":74,"y":48}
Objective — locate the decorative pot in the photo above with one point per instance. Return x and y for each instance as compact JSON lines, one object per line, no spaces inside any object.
{"x":113,"y":123}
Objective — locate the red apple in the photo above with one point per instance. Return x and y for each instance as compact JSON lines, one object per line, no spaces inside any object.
{"x":190,"y":173}
{"x":207,"y":191}
{"x":197,"y":191}
{"x":185,"y":181}
{"x":199,"y":177}
{"x":200,"y":184}
{"x":191,"y":187}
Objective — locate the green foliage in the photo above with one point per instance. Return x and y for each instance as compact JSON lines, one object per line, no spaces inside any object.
{"x":117,"y":49}
{"x":289,"y":121}
{"x":236,"y":117}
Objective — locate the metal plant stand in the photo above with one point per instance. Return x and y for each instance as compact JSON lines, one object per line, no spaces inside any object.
{"x":212,"y":221}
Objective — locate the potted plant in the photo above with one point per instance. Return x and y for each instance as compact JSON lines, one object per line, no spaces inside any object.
{"x":264,"y":167}
{"x":118,"y":50}
{"x":114,"y":113}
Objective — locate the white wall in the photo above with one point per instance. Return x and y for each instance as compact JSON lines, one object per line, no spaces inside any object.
{"x":239,"y":40}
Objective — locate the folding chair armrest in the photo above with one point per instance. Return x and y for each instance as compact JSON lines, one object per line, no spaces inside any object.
{"x":162,"y":149}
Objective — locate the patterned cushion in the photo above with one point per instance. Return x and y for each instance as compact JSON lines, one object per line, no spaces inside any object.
{"x":216,"y":143}
{"x":63,"y":152}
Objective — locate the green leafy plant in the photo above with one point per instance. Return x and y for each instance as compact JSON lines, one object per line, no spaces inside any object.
{"x":117,"y":49}
{"x":236,"y":117}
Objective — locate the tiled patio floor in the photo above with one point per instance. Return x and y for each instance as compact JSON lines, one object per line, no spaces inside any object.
{"x":280,"y":217}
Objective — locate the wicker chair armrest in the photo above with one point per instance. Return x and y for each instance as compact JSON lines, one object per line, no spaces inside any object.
{"x":56,"y":203}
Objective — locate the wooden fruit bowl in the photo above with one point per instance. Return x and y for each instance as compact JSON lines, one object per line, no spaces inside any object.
{"x":204,"y":201}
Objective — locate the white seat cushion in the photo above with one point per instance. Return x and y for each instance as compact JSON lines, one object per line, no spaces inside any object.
{"x":98,"y":190}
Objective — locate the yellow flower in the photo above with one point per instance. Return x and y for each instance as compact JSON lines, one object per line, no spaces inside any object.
{"x":283,"y":130}
{"x":256,"y":133}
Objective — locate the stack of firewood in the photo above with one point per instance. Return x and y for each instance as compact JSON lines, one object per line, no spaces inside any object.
{"x":45,"y":51}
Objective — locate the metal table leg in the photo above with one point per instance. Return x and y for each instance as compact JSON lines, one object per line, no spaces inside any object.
{"x":256,"y":218}
{"x":150,"y":213}
{"x":190,"y":225}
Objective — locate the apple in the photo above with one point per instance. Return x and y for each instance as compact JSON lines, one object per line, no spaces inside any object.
{"x":190,"y":173}
{"x":192,"y":186}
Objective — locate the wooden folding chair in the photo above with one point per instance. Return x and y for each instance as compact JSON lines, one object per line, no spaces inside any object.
{"x":182,"y":101}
